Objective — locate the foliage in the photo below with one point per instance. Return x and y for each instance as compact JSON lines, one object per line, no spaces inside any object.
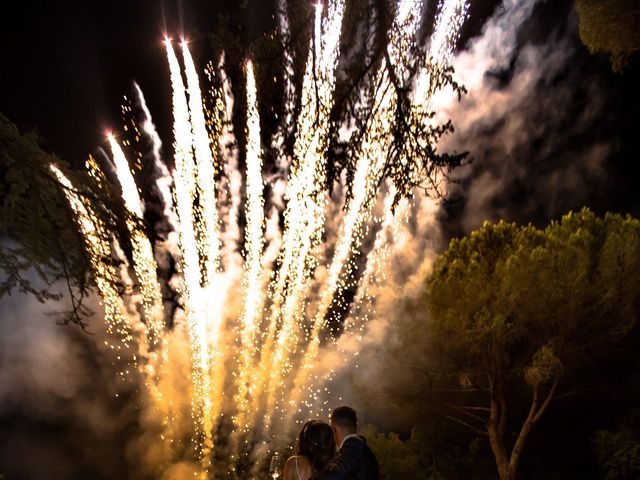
{"x":37,"y":227}
{"x":397,"y":458}
{"x":618,"y":449}
{"x":422,"y":456}
{"x":515,"y":307}
{"x":610,"y":26}
{"x":619,"y":453}
{"x":413,"y":160}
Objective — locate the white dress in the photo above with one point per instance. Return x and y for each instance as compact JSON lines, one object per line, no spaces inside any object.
{"x":298,"y":471}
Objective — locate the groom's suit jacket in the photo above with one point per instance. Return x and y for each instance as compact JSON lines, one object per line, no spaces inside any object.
{"x":355,"y":461}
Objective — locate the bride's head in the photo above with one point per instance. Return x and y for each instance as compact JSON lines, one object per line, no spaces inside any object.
{"x":316,"y":442}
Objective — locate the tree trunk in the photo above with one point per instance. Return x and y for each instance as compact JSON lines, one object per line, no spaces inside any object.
{"x":506,"y":463}
{"x":495,"y":427}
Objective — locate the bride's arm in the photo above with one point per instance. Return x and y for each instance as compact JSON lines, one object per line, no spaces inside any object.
{"x":297,"y":464}
{"x":290,"y":469}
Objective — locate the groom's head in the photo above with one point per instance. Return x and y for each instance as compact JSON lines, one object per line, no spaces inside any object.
{"x":344,"y":421}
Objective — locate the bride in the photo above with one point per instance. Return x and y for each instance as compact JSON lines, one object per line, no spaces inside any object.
{"x":314,"y":450}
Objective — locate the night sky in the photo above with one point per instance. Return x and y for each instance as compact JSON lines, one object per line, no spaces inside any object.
{"x":67,"y":64}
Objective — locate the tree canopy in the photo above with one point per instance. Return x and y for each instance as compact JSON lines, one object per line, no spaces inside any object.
{"x":517,"y":307}
{"x":41,"y":244}
{"x":612,"y":27}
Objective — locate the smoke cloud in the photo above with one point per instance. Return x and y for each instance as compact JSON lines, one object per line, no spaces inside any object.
{"x":62,"y":410}
{"x":544,"y":122}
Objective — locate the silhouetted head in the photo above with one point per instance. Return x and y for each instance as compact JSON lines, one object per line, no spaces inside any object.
{"x":344,"y":421}
{"x":316,"y":442}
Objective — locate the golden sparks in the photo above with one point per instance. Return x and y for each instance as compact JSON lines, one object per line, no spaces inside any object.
{"x":257,"y":323}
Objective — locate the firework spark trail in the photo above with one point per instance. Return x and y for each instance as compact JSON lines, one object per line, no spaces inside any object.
{"x":130,"y":194}
{"x":144,"y":264}
{"x":376,"y":143}
{"x":304,"y":215}
{"x":374,"y":272}
{"x":152,"y":342}
{"x":97,"y":245}
{"x":217,"y":284}
{"x":254,"y":243}
{"x":158,"y":361}
{"x":164,"y":181}
{"x":184,"y":190}
{"x":302,"y":178}
{"x":207,"y":219}
{"x":285,"y":128}
{"x":451,"y":16}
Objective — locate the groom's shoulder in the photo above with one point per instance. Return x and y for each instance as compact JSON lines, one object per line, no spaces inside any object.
{"x":355,"y":443}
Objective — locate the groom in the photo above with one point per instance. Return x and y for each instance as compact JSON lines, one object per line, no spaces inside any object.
{"x":355,"y":460}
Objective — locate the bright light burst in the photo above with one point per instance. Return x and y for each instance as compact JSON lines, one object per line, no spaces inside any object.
{"x":257,"y":323}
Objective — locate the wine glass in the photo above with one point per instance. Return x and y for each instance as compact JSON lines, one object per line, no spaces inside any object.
{"x":274,"y":468}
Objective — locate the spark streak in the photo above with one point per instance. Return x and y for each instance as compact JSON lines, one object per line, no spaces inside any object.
{"x":253,"y":288}
{"x":184,"y":181}
{"x":304,"y":215}
{"x":97,"y":245}
{"x":144,"y":264}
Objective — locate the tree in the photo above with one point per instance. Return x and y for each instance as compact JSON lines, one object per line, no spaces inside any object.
{"x":420,"y":457}
{"x":610,"y":26}
{"x":37,"y":227}
{"x":619,"y":452}
{"x":413,"y":160}
{"x":513,"y":308}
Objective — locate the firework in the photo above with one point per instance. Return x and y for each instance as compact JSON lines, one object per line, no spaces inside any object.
{"x":253,"y":356}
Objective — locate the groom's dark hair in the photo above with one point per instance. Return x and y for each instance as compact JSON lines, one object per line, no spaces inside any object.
{"x":345,"y":417}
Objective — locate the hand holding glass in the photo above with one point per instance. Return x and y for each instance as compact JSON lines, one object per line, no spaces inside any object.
{"x":274,"y":469}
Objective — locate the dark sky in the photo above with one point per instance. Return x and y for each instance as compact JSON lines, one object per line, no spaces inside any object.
{"x":67,"y":63}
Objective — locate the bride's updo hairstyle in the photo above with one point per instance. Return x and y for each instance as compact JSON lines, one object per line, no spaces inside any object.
{"x":316,"y":442}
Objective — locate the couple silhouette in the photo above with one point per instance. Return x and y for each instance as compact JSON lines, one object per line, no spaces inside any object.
{"x":332,"y":452}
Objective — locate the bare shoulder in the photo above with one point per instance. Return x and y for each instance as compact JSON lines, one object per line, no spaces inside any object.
{"x":295,"y":464}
